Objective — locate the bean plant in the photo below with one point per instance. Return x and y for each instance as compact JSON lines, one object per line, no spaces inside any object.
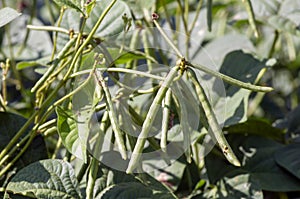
{"x":149,"y":99}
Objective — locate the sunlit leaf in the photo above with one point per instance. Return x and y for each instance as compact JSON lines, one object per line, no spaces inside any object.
{"x":75,"y":4}
{"x":257,"y":155}
{"x":7,"y":14}
{"x":46,"y":179}
{"x":68,"y":131}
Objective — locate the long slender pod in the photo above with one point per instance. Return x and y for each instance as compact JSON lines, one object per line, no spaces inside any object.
{"x":214,"y":127}
{"x":138,"y":149}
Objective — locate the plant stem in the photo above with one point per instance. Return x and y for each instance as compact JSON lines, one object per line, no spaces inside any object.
{"x":88,"y":39}
{"x":78,"y":88}
{"x":162,"y":32}
{"x":196,"y":16}
{"x":62,"y":11}
{"x":251,"y":18}
{"x":7,"y":167}
{"x":51,"y":69}
{"x":138,"y":149}
{"x":32,"y":15}
{"x":209,"y":14}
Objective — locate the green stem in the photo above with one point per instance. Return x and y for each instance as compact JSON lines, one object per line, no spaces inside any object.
{"x":196,"y":16}
{"x":52,"y":68}
{"x":7,"y":167}
{"x":166,"y":13}
{"x":182,"y":17}
{"x":162,"y":32}
{"x":32,"y":15}
{"x":62,"y":11}
{"x":251,"y":18}
{"x":275,"y":39}
{"x":78,"y":88}
{"x":133,"y":45}
{"x":209,"y":14}
{"x":147,"y":48}
{"x":57,"y":147}
{"x":231,"y":80}
{"x":138,"y":149}
{"x":82,"y":171}
{"x":88,"y":39}
{"x":214,"y":127}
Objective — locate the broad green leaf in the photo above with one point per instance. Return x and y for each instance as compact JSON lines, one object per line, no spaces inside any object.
{"x":40,"y":62}
{"x":134,"y":190}
{"x":46,"y":179}
{"x":112,"y":23}
{"x":68,"y":131}
{"x":9,"y":126}
{"x":113,"y":183}
{"x":38,"y":45}
{"x":288,"y":157}
{"x":257,"y":155}
{"x":256,"y":127}
{"x":244,"y":67}
{"x":125,"y":190}
{"x":123,"y":57}
{"x":233,"y":188}
{"x":224,"y":54}
{"x":7,"y":14}
{"x":75,"y":4}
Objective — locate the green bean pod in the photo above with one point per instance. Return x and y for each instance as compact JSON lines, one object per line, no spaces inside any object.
{"x":214,"y":127}
{"x":138,"y":149}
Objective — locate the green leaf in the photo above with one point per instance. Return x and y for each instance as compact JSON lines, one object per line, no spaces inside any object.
{"x":225,"y":54}
{"x":288,"y":157}
{"x":75,"y":4}
{"x":68,"y":131}
{"x":7,"y":14}
{"x":117,"y":184}
{"x":238,"y":187}
{"x":9,"y":126}
{"x":111,"y":26}
{"x":41,"y":62}
{"x":113,"y":23}
{"x":125,"y":190}
{"x":46,"y":179}
{"x":38,"y":45}
{"x":243,"y":67}
{"x":257,"y":154}
{"x":256,"y":127}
